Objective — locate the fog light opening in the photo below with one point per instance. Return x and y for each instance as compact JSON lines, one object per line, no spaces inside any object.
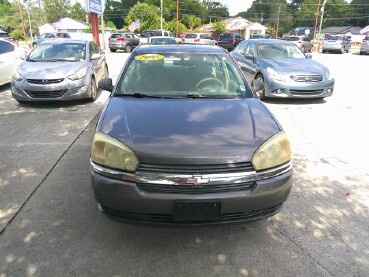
{"x":279,"y":91}
{"x":83,"y":89}
{"x":330,"y":90}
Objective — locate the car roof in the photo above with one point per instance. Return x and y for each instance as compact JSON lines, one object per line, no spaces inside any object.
{"x":65,"y":40}
{"x":179,"y":48}
{"x":270,"y":41}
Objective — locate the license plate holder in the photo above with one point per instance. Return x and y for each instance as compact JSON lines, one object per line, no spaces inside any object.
{"x":196,"y":211}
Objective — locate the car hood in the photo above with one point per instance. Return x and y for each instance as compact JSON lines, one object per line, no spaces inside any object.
{"x":49,"y":70}
{"x":184,"y":131}
{"x":293,"y":66}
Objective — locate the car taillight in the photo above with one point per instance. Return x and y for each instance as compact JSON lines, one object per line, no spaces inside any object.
{"x":233,"y":41}
{"x":120,"y":39}
{"x":183,"y":40}
{"x":196,"y":40}
{"x":365,"y":42}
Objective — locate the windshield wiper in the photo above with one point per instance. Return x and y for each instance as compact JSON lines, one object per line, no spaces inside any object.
{"x":141,"y":95}
{"x":59,"y":60}
{"x":194,"y":95}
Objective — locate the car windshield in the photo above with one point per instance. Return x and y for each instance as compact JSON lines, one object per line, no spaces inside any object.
{"x":333,"y":38}
{"x":58,"y":52}
{"x":165,"y":40}
{"x":178,"y":75}
{"x":225,"y":37}
{"x":279,"y":51}
{"x":293,"y":38}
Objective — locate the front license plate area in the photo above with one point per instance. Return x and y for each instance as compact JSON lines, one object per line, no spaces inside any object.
{"x":196,"y":211}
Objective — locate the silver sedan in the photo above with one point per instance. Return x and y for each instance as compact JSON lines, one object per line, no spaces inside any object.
{"x":60,"y":70}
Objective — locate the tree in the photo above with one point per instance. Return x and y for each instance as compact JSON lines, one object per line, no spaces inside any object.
{"x":215,"y":10}
{"x":172,"y":26}
{"x":56,"y":9}
{"x":219,"y":27}
{"x":77,"y":12}
{"x":148,"y":15}
{"x":337,"y":13}
{"x":115,"y":9}
{"x":110,"y":24}
{"x":360,"y":10}
{"x":191,"y":21}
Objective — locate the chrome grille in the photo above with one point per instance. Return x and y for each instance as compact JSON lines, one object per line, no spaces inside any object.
{"x":45,"y":81}
{"x":307,"y":78}
{"x":208,"y":188}
{"x":46,"y":94}
{"x":197,"y":169}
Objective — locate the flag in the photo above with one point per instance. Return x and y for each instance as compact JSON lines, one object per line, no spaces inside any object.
{"x":365,"y":30}
{"x":135,"y":25}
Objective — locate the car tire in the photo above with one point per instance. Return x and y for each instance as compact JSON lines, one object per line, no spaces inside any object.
{"x":361,"y":53}
{"x":260,"y":94}
{"x":348,"y":50}
{"x":113,"y":50}
{"x":93,"y":90}
{"x":323,"y":51}
{"x":128,"y":48}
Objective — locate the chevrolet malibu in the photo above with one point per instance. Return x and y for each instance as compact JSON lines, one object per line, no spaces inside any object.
{"x":59,"y":70}
{"x":182,"y":140}
{"x":286,"y":71}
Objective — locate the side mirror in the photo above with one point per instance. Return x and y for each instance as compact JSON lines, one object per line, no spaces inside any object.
{"x":95,"y":56}
{"x":106,"y":84}
{"x":309,"y":56}
{"x":257,"y":85}
{"x":249,"y":56}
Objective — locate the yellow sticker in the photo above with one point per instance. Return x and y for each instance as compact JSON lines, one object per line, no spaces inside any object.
{"x":149,"y":57}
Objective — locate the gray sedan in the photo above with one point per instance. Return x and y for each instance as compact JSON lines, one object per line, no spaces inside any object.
{"x":60,"y":70}
{"x":182,"y":140}
{"x":284,"y":68}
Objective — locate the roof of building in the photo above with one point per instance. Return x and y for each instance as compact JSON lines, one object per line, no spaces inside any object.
{"x":342,"y":30}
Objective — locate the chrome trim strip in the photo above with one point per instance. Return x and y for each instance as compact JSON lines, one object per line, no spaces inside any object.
{"x":175,"y":179}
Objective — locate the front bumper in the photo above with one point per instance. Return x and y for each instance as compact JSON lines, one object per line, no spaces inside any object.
{"x":133,"y":202}
{"x":64,"y":90}
{"x":290,"y":89}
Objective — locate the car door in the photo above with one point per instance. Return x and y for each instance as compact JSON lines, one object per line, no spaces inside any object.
{"x":244,"y":54}
{"x":134,"y":41}
{"x":97,"y":63}
{"x":9,"y":60}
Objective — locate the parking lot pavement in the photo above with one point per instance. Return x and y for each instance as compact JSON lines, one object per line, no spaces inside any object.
{"x":51,"y":225}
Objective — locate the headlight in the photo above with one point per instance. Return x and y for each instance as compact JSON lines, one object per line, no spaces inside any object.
{"x":17,"y":76}
{"x":273,"y":152}
{"x":110,"y":152}
{"x":274,"y":74}
{"x":78,"y":75}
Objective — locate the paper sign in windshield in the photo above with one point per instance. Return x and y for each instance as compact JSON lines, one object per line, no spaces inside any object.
{"x":149,"y":57}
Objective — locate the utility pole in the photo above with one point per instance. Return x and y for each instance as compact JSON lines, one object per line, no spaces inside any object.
{"x":103,"y":24}
{"x":279,"y":11}
{"x":29,"y":22}
{"x":21,"y":14}
{"x":321,"y":22}
{"x":161,"y":15}
{"x":316,"y":19}
{"x":177,"y":18}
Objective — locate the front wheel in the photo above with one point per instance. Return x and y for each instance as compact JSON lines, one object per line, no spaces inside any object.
{"x":261,"y":93}
{"x":93,"y":90}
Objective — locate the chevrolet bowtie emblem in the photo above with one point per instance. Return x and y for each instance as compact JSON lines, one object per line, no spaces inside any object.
{"x":195,"y":181}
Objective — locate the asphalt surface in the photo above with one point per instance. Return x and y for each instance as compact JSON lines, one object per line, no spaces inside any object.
{"x":50,"y":224}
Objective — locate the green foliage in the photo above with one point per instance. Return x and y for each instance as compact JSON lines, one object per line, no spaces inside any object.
{"x":191,"y":21}
{"x":56,"y":9}
{"x":110,"y":24}
{"x":149,"y":16}
{"x":219,"y":27}
{"x":172,"y":26}
{"x":17,"y":33}
{"x":359,"y":7}
{"x":77,"y":12}
{"x":215,"y":10}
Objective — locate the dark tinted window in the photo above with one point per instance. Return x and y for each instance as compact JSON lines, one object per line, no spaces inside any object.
{"x":226,"y":37}
{"x":190,"y":36}
{"x":293,"y":38}
{"x":6,"y":47}
{"x":333,"y":37}
{"x":4,"y":35}
{"x":116,"y":35}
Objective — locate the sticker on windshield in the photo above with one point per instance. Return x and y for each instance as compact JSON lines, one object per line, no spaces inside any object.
{"x":149,"y":57}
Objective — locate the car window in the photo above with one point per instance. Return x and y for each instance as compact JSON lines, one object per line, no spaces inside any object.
{"x":94,"y":49}
{"x":279,"y":51}
{"x":116,"y":35}
{"x":177,"y":74}
{"x":293,"y":38}
{"x":6,"y":47}
{"x":4,"y":35}
{"x":241,"y":48}
{"x":64,"y":52}
{"x":190,"y":36}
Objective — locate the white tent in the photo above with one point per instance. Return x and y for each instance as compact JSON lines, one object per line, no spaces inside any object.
{"x":69,"y":25}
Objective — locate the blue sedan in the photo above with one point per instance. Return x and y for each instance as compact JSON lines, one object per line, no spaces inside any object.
{"x":286,"y":71}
